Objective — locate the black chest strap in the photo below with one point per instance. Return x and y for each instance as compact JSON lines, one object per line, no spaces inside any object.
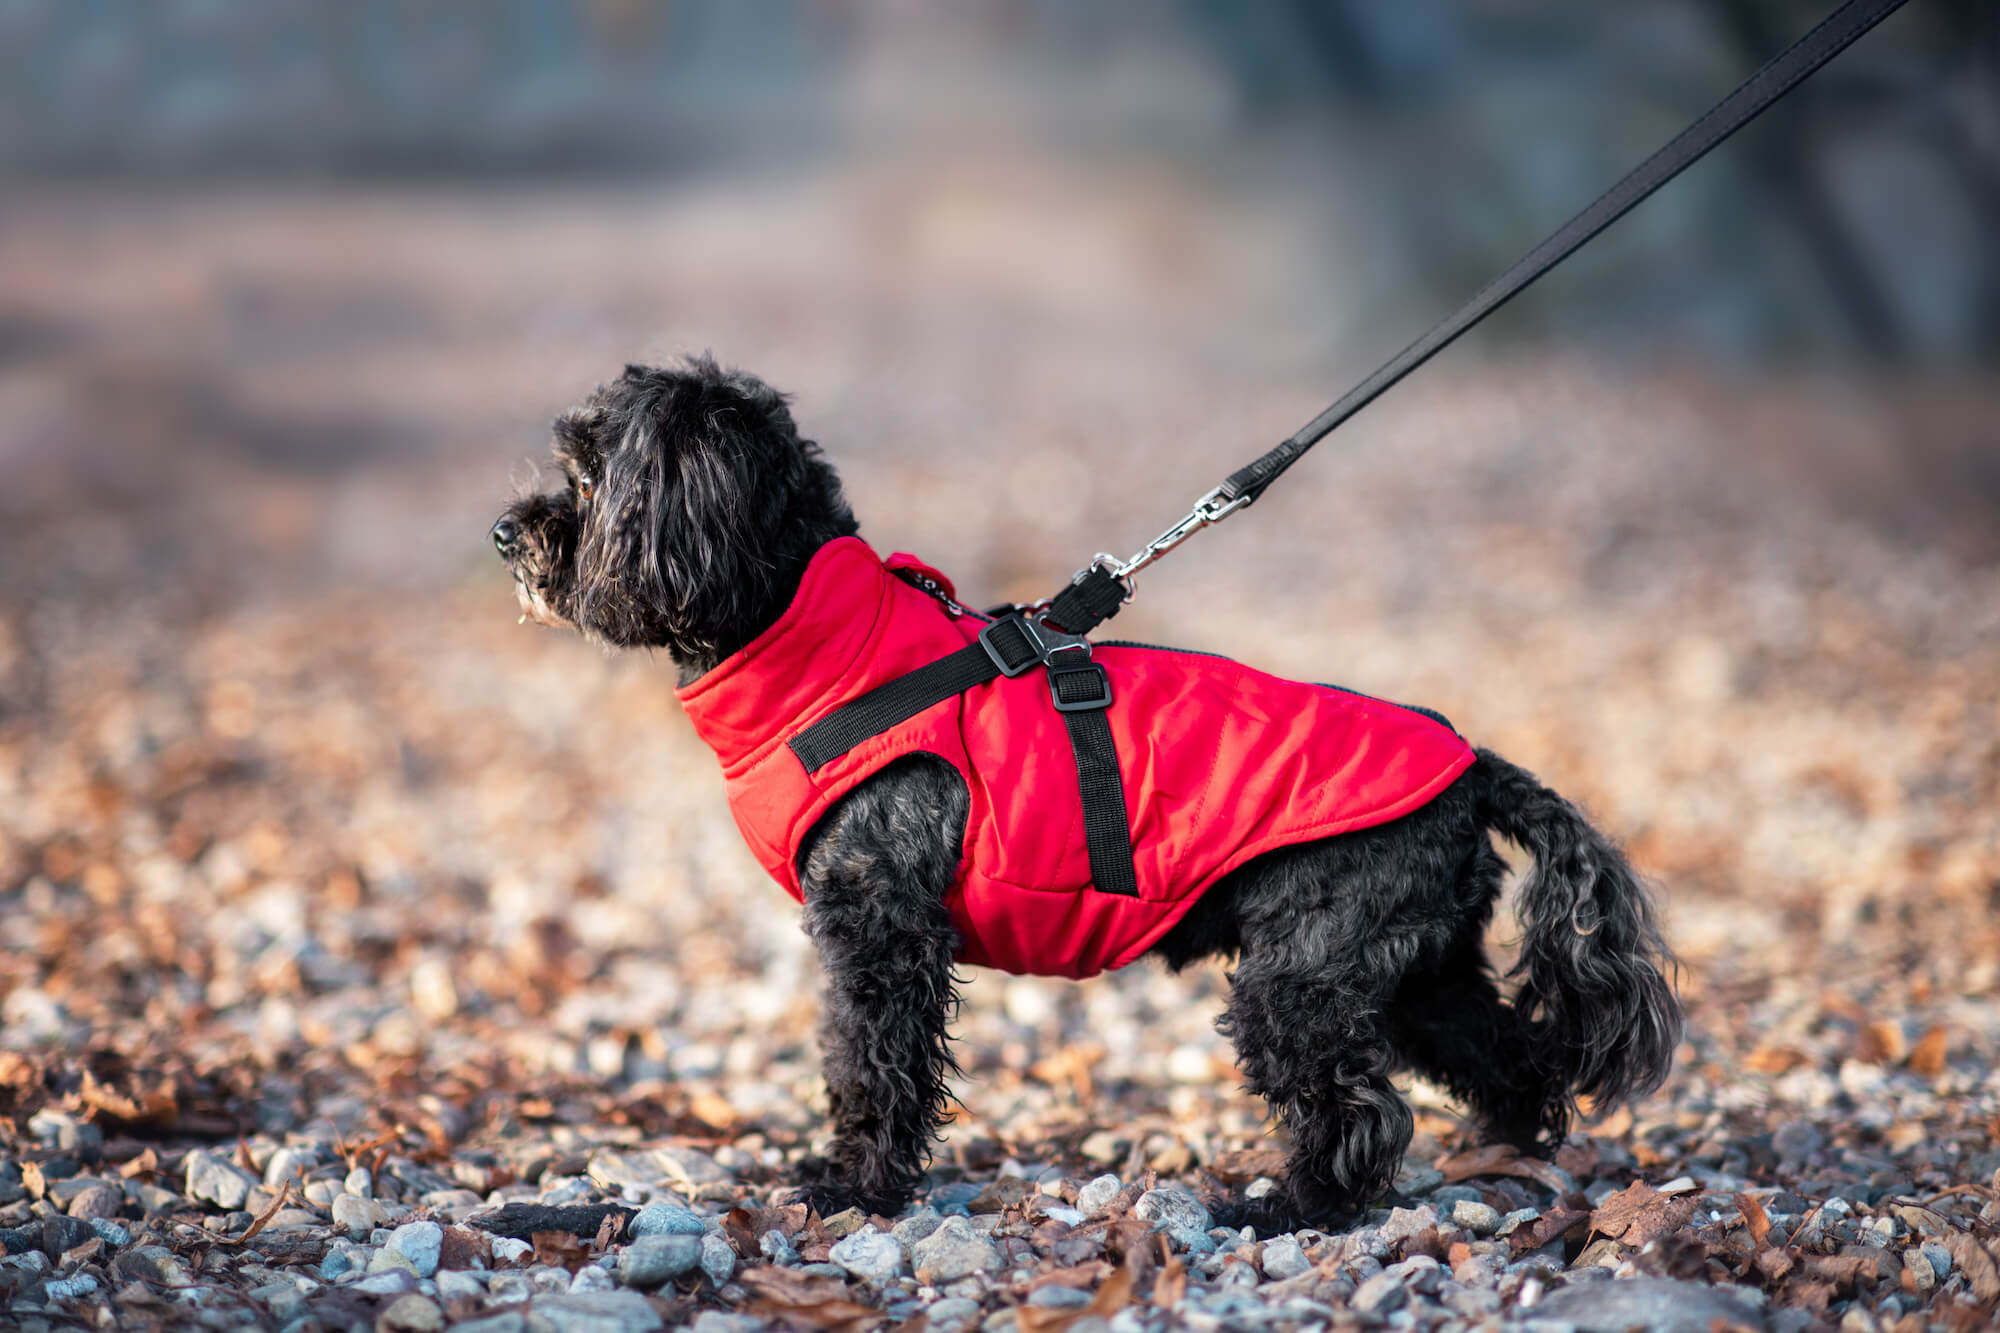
{"x":1078,"y":689}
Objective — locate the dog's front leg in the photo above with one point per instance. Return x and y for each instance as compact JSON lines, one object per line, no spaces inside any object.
{"x":875,"y":873}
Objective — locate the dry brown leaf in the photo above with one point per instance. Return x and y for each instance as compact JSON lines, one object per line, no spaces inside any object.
{"x":1755,"y":1218}
{"x":608,"y":1232}
{"x":1618,"y":1211}
{"x":263,"y":1219}
{"x":1076,"y":1275}
{"x":1500,"y":1159}
{"x":1553,"y":1223}
{"x":1977,"y":1265}
{"x":560,"y":1248}
{"x":144,"y":1166}
{"x":1927,"y":1056}
{"x":1171,"y":1285}
{"x":1113,"y":1296}
{"x":1774,"y":1263}
{"x":1880,"y":1043}
{"x":1775,"y":1060}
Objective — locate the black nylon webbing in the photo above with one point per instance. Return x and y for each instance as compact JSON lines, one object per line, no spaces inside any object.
{"x":887,"y":705}
{"x":1107,"y":835}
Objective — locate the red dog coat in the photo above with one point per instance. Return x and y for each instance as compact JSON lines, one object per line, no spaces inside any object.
{"x":1220,"y":763}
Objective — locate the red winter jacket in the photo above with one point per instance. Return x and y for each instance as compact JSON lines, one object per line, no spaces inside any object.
{"x":1220,"y":764}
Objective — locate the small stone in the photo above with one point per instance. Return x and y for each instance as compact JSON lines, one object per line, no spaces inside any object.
{"x":844,"y":1223}
{"x":96,"y":1201}
{"x":664,"y":1219}
{"x":111,"y":1233}
{"x":1659,"y":1305}
{"x":547,"y":1279}
{"x":355,"y":1215}
{"x":955,"y":1198}
{"x":282,"y":1299}
{"x":870,"y":1256}
{"x":1514,"y":1219}
{"x":916,"y":1226}
{"x":1479,"y":1218}
{"x":718,"y":1261}
{"x":1282,"y":1258}
{"x":777,"y":1247}
{"x":955,"y":1250}
{"x":1172,"y":1208}
{"x":1259,"y":1188}
{"x":722,"y":1321}
{"x":1105,"y":1147}
{"x":1406,"y":1222}
{"x":411,"y":1313}
{"x":1096,"y":1196}
{"x":69,"y":1288}
{"x":420,"y":1243}
{"x":592,"y":1277}
{"x":949,"y":1316}
{"x":508,"y":1250}
{"x":65,"y":1132}
{"x":593,"y":1312}
{"x":1069,"y":1217}
{"x":1057,"y":1297}
{"x":359,"y":1183}
{"x":1939,"y":1259}
{"x":322,"y":1192}
{"x":456,"y":1286}
{"x":151,"y":1263}
{"x":213,"y":1180}
{"x":1378,"y":1295}
{"x":509,"y":1288}
{"x":286,"y":1164}
{"x":507,"y":1321}
{"x":385,"y":1260}
{"x":390,"y":1282}
{"x":653,"y":1261}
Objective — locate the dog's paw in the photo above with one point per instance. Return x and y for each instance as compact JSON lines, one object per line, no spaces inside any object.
{"x":1279,"y":1213}
{"x":822,"y":1186}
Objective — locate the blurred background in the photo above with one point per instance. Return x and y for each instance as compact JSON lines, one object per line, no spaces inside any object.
{"x":1705,"y":528}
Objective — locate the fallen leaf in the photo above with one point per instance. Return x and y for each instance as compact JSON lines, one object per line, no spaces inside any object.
{"x":1927,"y":1056}
{"x":608,"y":1232}
{"x":1500,"y":1159}
{"x":1775,"y":1060}
{"x":1618,"y":1211}
{"x":1977,"y":1265}
{"x":1113,"y":1296}
{"x":1774,"y":1263}
{"x":1755,"y":1218}
{"x":1880,"y":1043}
{"x":1555,"y":1222}
{"x":559,"y":1248}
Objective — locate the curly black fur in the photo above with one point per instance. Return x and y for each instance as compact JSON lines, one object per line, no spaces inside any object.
{"x":691,"y":510}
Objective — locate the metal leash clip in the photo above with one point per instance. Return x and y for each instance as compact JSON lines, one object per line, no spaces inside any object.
{"x":1209,"y":510}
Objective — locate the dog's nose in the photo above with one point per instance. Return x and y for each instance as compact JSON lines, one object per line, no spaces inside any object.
{"x":504,"y":534}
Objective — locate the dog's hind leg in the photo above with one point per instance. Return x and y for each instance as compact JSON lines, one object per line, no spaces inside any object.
{"x":875,"y":872}
{"x":1450,"y":1024}
{"x":1307,"y":1014}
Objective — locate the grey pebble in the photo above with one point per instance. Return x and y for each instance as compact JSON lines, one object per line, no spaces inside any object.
{"x":1282,"y":1258}
{"x":1659,"y":1305}
{"x":916,"y":1226}
{"x":507,"y":1321}
{"x":210,"y":1179}
{"x":69,"y":1288}
{"x":389,"y":1282}
{"x":871,"y":1256}
{"x":1480,"y":1219}
{"x":1172,"y":1208}
{"x":718,"y":1261}
{"x":948,"y":1316}
{"x":777,"y":1247}
{"x":420,"y":1243}
{"x":593,"y":1312}
{"x":1096,"y":1196}
{"x":355,"y":1215}
{"x":461,"y":1285}
{"x":665,"y":1219}
{"x":955,"y":1250}
{"x":508,"y":1250}
{"x":114,"y":1234}
{"x":592,"y":1277}
{"x":1057,"y":1297}
{"x":724,"y":1321}
{"x":653,"y":1261}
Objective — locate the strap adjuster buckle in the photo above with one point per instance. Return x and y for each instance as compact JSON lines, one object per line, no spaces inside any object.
{"x":1017,"y":643}
{"x":1079,"y":687}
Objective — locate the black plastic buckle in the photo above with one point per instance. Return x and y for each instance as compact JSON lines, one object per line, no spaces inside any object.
{"x":1099,"y":697}
{"x":1040,"y":638}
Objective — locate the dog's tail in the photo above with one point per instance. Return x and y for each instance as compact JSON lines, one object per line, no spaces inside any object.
{"x":1602,"y":1016}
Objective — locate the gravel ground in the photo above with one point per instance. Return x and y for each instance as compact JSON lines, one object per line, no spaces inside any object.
{"x":370,"y":961}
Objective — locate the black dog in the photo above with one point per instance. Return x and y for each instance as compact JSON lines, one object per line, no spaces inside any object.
{"x":691,"y":512}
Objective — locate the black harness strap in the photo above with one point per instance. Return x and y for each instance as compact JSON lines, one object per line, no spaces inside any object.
{"x":1078,"y":688}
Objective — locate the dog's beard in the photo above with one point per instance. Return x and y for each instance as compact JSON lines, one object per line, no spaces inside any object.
{"x":535,"y":607}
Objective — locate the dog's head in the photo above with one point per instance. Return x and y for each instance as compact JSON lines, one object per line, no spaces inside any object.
{"x":689,"y":509}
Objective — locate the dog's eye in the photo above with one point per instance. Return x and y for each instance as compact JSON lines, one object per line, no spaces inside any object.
{"x":586,"y":485}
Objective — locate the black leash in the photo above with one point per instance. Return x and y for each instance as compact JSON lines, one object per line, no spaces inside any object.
{"x":1097,"y":591}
